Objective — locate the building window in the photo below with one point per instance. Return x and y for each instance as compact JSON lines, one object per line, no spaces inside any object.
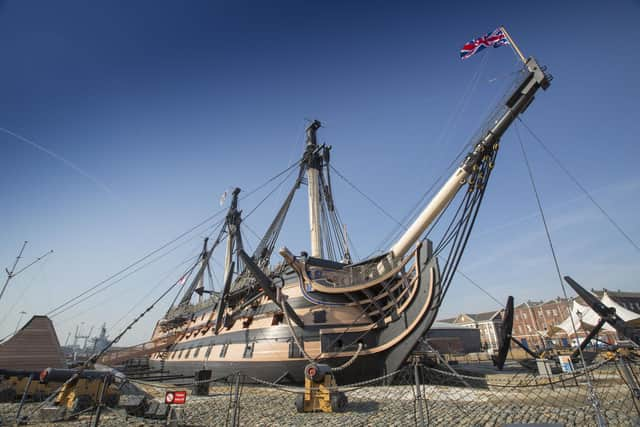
{"x":208,"y":352}
{"x":195,"y":353}
{"x":180,"y":354}
{"x":186,"y":356}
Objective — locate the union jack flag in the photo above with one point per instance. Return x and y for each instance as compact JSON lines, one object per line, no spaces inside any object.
{"x":494,"y":39}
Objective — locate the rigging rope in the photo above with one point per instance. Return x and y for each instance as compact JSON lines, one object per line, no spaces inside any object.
{"x":54,"y":313}
{"x":270,"y":180}
{"x":349,"y":362}
{"x":592,"y":393}
{"x":293,"y":333}
{"x":99,"y":354}
{"x":459,"y":229}
{"x":306,"y":355}
{"x":462,"y":104}
{"x":580,"y":186}
{"x":479,"y":287}
{"x":154,"y":288}
{"x":59,"y":309}
{"x":373,"y":202}
{"x":271,"y":192}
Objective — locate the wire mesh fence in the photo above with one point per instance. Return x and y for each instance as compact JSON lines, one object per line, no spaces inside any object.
{"x":415,"y":395}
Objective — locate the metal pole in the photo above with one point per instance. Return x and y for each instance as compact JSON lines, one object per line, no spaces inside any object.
{"x":444,"y":362}
{"x":513,"y":44}
{"x":24,"y":397}
{"x":235,"y":417}
{"x":103,"y":388}
{"x":10,"y":273}
{"x":629,"y":379}
{"x":416,"y":375}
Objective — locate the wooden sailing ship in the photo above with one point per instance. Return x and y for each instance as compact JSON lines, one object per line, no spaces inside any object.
{"x":361,"y":318}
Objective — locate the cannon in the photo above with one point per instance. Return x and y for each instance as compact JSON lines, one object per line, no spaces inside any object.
{"x":320,"y":391}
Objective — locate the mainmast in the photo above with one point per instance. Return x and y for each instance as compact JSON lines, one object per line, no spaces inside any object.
{"x":233,"y":233}
{"x":515,"y":105}
{"x":314,"y":163}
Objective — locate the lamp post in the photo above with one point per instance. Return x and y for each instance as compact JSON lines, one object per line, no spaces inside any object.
{"x":579,"y":314}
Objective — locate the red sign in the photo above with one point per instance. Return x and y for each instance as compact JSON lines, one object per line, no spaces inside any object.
{"x":175,"y":397}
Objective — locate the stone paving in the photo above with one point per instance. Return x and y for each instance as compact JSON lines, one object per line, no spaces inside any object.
{"x":389,"y":406}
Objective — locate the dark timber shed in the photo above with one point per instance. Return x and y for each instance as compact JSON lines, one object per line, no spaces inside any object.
{"x":33,"y":348}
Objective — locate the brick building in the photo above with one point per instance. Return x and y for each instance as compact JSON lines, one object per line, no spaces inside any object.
{"x":535,"y":323}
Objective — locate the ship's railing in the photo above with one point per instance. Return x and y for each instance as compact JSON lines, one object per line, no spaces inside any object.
{"x":188,"y":310}
{"x":144,"y":349}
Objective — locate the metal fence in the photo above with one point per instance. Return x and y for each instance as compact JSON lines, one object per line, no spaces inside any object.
{"x":415,"y":395}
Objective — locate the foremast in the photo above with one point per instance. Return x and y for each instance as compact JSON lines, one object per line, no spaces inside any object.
{"x":231,"y":228}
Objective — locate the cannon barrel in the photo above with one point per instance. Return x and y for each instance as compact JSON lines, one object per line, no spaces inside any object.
{"x":20,"y":373}
{"x":62,"y":375}
{"x":316,"y":371}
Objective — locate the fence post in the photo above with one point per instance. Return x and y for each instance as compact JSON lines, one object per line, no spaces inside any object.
{"x":24,"y":397}
{"x":419,"y":398}
{"x":234,"y":404}
{"x":103,"y":388}
{"x":630,"y":379}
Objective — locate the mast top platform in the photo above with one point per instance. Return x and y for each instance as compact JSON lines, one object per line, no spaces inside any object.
{"x":311,"y":132}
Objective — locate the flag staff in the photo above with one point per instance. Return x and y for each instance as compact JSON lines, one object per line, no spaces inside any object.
{"x":513,"y":44}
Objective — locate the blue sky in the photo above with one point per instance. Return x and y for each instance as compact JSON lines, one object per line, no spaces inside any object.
{"x":153,"y":108}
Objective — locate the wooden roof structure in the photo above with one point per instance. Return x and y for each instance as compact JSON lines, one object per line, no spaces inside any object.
{"x":33,"y":348}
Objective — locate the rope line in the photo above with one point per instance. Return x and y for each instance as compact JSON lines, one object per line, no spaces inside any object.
{"x":479,"y":287}
{"x":592,"y":393}
{"x":580,"y":186}
{"x":167,"y":244}
{"x":130,"y":266}
{"x":373,"y":202}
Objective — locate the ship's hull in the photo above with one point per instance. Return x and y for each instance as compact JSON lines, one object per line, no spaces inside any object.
{"x":283,"y":371}
{"x":270,"y":353}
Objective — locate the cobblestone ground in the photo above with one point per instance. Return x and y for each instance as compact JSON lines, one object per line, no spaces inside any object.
{"x":385,"y":406}
{"x":491,"y":400}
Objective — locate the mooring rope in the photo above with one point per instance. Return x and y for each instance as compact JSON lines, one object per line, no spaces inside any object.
{"x":350,"y":361}
{"x":293,"y":333}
